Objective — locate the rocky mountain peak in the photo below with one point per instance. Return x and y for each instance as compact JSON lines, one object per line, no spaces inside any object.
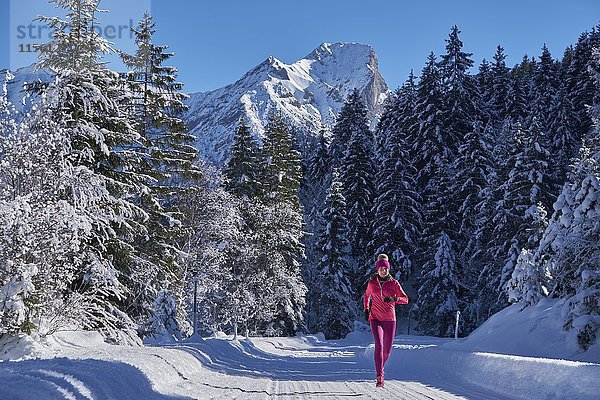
{"x":309,"y":92}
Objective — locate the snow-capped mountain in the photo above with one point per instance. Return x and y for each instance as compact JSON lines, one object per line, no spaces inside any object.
{"x":15,"y":85}
{"x":309,"y":92}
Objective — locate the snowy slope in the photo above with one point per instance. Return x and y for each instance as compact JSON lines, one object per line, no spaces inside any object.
{"x":78,"y":365}
{"x":15,"y":86}
{"x":309,"y":92}
{"x":534,"y":332}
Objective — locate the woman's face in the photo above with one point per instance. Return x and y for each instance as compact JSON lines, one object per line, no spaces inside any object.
{"x":383,"y":271}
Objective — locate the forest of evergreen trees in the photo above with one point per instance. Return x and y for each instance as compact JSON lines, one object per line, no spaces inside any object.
{"x":483,"y":189}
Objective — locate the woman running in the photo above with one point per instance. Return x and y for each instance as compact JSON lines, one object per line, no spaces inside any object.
{"x":382,"y":294}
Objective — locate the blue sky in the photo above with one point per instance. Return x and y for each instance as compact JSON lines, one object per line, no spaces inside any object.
{"x":218,"y":41}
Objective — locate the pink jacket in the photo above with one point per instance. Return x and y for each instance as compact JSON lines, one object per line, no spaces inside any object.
{"x":380,"y":310}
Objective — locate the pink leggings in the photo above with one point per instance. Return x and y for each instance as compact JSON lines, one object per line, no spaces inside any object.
{"x":383,"y":335}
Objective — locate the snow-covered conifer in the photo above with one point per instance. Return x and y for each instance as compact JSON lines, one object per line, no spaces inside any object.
{"x":164,"y":155}
{"x":336,"y":308}
{"x":500,"y":99}
{"x":526,"y":284}
{"x":569,"y":247}
{"x":346,"y":123}
{"x":282,"y":172}
{"x":276,"y":242}
{"x":521,"y":210}
{"x":430,"y":145}
{"x":163,"y":323}
{"x":313,"y":192}
{"x":397,"y":214}
{"x":53,"y":212}
{"x":460,"y":93}
{"x":242,"y":168}
{"x":87,"y":100}
{"x":438,"y":293}
{"x":356,"y":171}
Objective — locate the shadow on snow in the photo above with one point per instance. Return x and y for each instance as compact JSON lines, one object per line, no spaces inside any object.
{"x":77,"y":379}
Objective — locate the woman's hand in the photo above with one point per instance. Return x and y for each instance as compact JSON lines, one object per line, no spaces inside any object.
{"x":387,"y":299}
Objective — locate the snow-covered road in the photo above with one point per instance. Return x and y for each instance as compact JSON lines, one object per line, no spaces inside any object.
{"x":81,"y":366}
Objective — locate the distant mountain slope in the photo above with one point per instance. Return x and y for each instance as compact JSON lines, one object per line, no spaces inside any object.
{"x":309,"y":92}
{"x":15,"y":85}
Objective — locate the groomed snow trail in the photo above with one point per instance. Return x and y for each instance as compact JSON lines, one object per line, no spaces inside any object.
{"x":80,"y":365}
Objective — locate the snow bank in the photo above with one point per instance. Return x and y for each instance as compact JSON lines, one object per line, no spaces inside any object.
{"x":512,"y":376}
{"x":23,"y":347}
{"x":535,"y":331}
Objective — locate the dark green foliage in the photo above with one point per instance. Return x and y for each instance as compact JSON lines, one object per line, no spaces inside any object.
{"x":164,"y":157}
{"x":243,"y":168}
{"x":282,"y":172}
{"x":335,"y":309}
{"x":397,"y":208}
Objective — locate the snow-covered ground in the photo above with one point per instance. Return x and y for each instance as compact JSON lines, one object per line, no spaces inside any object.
{"x":514,"y":355}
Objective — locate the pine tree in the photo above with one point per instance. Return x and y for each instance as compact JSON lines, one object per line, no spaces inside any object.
{"x":276,"y":232}
{"x":346,"y":123}
{"x":563,"y":142}
{"x":282,"y":163}
{"x":545,"y":79}
{"x":569,"y":246}
{"x":165,"y":156}
{"x":459,"y":119}
{"x":434,"y":147}
{"x":163,"y":322}
{"x":438,"y":293}
{"x":271,"y":229}
{"x":501,"y":87}
{"x":474,"y":169}
{"x":521,"y":213}
{"x":336,"y":309}
{"x":460,"y":92}
{"x":313,"y":193}
{"x":485,"y":86}
{"x":473,"y":166}
{"x":276,"y":240}
{"x":87,"y":100}
{"x":526,"y":72}
{"x":517,"y":107}
{"x":356,"y":174}
{"x":242,"y":168}
{"x":319,"y":163}
{"x":397,"y":216}
{"x":52,"y":213}
{"x":527,"y":282}
{"x":75,"y":45}
{"x":580,"y":86}
{"x":431,"y":154}
{"x":430,"y":142}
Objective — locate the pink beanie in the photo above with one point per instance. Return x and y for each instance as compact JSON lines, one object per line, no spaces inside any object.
{"x":382,"y":263}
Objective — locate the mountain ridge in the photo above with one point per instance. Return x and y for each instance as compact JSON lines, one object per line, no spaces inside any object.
{"x":308,"y":92}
